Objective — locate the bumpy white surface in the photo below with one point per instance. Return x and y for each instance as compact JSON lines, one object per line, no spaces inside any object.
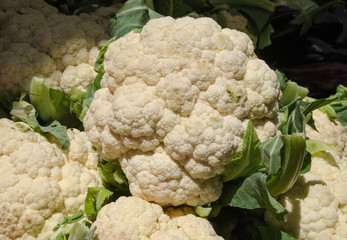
{"x":39,"y":182}
{"x":36,"y":40}
{"x":186,"y":86}
{"x":132,"y":218}
{"x":329,"y":131}
{"x":313,"y":212}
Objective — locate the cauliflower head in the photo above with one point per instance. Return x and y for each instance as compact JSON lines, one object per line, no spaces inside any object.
{"x":313,"y":211}
{"x":134,"y":218}
{"x":180,"y":93}
{"x":37,"y":40}
{"x":39,"y":182}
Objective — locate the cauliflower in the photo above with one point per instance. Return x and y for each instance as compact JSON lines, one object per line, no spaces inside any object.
{"x":180,"y":93}
{"x":36,"y":40}
{"x":317,"y":203}
{"x":238,"y":22}
{"x":134,"y":218}
{"x":313,"y":211}
{"x":329,"y":131}
{"x":40,"y":183}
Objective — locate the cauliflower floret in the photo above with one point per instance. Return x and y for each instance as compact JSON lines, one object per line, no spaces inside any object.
{"x":313,"y":211}
{"x":134,"y":218}
{"x":40,"y":183}
{"x":329,"y":131}
{"x":189,"y":88}
{"x":166,"y":183}
{"x":36,"y":40}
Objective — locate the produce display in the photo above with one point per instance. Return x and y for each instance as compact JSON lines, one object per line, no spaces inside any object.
{"x":146,"y":119}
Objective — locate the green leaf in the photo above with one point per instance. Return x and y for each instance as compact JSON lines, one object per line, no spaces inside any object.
{"x":271,"y":154}
{"x":112,"y":173}
{"x":248,"y":161}
{"x":296,"y":121}
{"x":291,"y":93}
{"x":308,"y":10}
{"x":51,"y":104}
{"x":309,"y":107}
{"x":203,"y":212}
{"x":282,"y":79}
{"x":264,"y":38}
{"x":268,"y":233}
{"x":90,"y":235}
{"x":22,"y":110}
{"x":134,"y":14}
{"x":261,"y":4}
{"x":292,"y":161}
{"x":55,"y":129}
{"x":252,"y":193}
{"x":70,"y":219}
{"x":314,"y":146}
{"x":95,"y":199}
{"x":173,"y":8}
{"x":75,"y":227}
{"x":340,"y":105}
{"x":306,"y":165}
{"x":25,"y":112}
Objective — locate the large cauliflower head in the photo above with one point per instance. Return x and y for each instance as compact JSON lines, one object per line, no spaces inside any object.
{"x":188,"y":87}
{"x":134,"y":218}
{"x":39,"y":182}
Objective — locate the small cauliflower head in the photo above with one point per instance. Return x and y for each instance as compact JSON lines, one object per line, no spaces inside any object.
{"x":39,"y":182}
{"x":132,"y":218}
{"x":313,"y":211}
{"x":180,"y":93}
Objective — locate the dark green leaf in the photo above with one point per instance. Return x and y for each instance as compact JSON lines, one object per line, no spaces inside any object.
{"x":251,"y":193}
{"x":306,"y":165}
{"x":268,"y":233}
{"x":173,"y":8}
{"x":296,"y":121}
{"x":308,"y":10}
{"x":55,"y":129}
{"x":264,"y":38}
{"x":261,"y":4}
{"x":271,"y":153}
{"x":340,"y":105}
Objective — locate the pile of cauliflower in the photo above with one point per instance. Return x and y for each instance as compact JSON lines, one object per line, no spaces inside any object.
{"x":40,"y":184}
{"x":37,"y":40}
{"x":174,"y":105}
